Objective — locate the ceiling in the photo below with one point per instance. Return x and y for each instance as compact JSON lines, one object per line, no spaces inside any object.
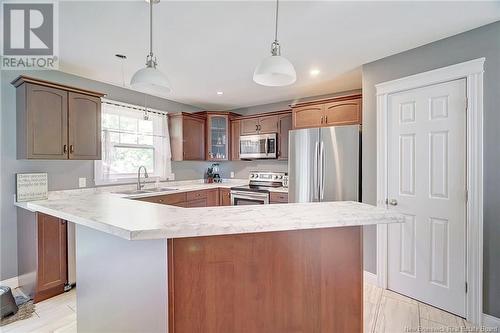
{"x":208,"y":46}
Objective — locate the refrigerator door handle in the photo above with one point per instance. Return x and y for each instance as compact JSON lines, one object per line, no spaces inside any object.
{"x":316,"y":176}
{"x":322,"y":172}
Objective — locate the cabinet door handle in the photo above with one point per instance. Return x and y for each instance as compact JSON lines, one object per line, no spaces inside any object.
{"x":256,"y":127}
{"x":321,"y":120}
{"x":65,"y":149}
{"x":326,"y":119}
{"x":71,"y":149}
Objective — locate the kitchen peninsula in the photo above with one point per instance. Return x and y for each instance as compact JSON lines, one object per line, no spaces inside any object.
{"x":147,"y":267}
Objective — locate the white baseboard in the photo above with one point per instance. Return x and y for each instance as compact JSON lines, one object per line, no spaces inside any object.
{"x":490,"y":321}
{"x":12,"y":283}
{"x":370,"y":278}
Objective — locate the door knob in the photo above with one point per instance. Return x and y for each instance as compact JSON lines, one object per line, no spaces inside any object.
{"x":393,"y":202}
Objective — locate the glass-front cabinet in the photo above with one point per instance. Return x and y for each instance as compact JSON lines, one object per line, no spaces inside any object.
{"x":218,"y":137}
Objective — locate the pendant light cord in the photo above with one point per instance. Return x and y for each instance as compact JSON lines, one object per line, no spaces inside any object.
{"x":151,"y":28}
{"x":276,"y":28}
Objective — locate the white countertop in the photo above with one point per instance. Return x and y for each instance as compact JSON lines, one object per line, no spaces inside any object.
{"x":116,"y":214}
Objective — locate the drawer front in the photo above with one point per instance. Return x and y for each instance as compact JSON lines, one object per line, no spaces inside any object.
{"x":169,"y":199}
{"x":195,"y":195}
{"x":174,"y":198}
{"x":197,"y":203}
{"x":277,"y":197}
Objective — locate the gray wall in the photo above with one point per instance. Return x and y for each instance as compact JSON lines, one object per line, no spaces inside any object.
{"x":196,"y":169}
{"x":477,"y":43}
{"x":62,"y":174}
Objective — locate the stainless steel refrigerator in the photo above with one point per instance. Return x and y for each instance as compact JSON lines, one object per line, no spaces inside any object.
{"x":324,"y":164}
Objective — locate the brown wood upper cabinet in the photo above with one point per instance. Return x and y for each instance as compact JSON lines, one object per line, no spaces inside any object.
{"x":84,"y":127}
{"x":284,"y":126}
{"x":187,"y":136}
{"x":235,"y":140}
{"x":56,"y":121}
{"x":218,"y":133}
{"x":259,"y":125}
{"x":345,"y":110}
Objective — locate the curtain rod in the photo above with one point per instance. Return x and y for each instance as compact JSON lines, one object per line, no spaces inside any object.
{"x":133,"y":107}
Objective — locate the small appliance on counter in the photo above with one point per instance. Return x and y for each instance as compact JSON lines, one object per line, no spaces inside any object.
{"x":213,"y":174}
{"x":257,"y":190}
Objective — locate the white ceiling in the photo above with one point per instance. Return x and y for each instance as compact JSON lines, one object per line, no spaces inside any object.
{"x":208,"y":46}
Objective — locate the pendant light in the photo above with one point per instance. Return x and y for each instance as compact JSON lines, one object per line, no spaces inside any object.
{"x":275,"y":71}
{"x":149,"y":79}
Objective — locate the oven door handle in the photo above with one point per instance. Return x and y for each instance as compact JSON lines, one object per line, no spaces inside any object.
{"x":266,"y":146}
{"x":245,"y":195}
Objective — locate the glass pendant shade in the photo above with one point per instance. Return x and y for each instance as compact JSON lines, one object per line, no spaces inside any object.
{"x":150,"y":80}
{"x":275,"y":71}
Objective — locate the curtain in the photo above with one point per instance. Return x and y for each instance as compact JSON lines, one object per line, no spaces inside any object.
{"x":132,"y":137}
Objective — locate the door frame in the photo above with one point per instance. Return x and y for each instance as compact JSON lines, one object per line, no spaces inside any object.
{"x":472,"y":71}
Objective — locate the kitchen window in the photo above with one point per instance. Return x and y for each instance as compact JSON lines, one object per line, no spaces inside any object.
{"x":132,"y":137}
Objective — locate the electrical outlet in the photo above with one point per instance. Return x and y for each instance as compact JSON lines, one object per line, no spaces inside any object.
{"x":171,"y":176}
{"x":82,"y":182}
{"x":232,"y":174}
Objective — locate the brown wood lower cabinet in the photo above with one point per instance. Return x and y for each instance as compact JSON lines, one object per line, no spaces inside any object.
{"x":52,"y":272}
{"x":278,"y":197}
{"x":225,"y":197}
{"x":287,"y":281}
{"x":202,"y":198}
{"x":213,"y":198}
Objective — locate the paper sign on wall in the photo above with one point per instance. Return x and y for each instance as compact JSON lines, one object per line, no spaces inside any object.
{"x":31,"y":186}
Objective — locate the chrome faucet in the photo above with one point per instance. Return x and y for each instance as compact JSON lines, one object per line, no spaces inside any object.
{"x":139,"y":185}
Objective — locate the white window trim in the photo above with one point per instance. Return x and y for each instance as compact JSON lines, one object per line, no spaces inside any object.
{"x":472,"y":71}
{"x":99,"y":180}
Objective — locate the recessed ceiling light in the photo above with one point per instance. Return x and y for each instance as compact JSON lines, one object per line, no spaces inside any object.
{"x":314,"y":72}
{"x":220,"y":93}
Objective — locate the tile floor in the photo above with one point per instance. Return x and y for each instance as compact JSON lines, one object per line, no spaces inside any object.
{"x":385,"y":312}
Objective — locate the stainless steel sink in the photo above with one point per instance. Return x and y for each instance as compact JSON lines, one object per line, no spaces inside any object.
{"x":160,"y":189}
{"x":130,"y":192}
{"x":147,"y":190}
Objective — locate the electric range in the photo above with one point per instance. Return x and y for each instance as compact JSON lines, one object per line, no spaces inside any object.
{"x":257,"y":190}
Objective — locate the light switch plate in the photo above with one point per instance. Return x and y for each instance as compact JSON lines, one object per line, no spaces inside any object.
{"x":232,"y":174}
{"x":82,"y":182}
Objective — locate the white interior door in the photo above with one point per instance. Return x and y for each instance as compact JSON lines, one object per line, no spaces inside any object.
{"x":427,"y":183}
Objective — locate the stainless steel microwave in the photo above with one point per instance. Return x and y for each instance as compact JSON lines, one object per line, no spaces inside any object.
{"x":258,"y":146}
